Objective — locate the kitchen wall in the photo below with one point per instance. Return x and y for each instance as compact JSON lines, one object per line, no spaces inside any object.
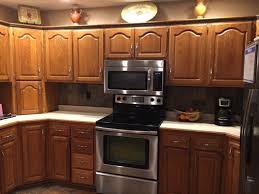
{"x":176,"y":97}
{"x":8,"y":14}
{"x":167,"y":11}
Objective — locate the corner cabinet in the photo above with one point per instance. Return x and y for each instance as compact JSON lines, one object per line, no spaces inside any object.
{"x":29,"y":95}
{"x":88,"y":55}
{"x":4,"y":54}
{"x":140,"y":43}
{"x":58,"y":53}
{"x":227,"y":42}
{"x":33,"y":151}
{"x":28,"y":53}
{"x":187,"y":55}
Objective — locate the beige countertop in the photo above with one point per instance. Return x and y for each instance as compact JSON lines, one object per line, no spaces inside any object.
{"x":92,"y":115}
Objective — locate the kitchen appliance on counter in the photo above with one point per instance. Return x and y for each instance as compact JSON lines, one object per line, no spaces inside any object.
{"x":223,"y":115}
{"x":127,"y":140}
{"x":250,"y":126}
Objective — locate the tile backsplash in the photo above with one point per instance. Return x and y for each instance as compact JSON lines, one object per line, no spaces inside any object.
{"x":176,"y":97}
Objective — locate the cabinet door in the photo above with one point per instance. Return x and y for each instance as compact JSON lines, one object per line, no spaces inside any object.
{"x":206,"y":172}
{"x":151,"y":42}
{"x":233,"y":170}
{"x":88,"y":55}
{"x":9,"y":166}
{"x":59,"y":60}
{"x":27,"y":53}
{"x":4,"y":54}
{"x":119,"y":43}
{"x":227,"y":45}
{"x":257,"y":27}
{"x":33,"y":143}
{"x":29,"y":97}
{"x":187,"y":55}
{"x":174,"y":171}
{"x":59,"y":158}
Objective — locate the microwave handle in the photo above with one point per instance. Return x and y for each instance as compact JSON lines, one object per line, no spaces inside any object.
{"x":149,"y":79}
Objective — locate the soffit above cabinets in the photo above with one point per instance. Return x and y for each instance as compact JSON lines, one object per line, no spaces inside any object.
{"x":67,"y":4}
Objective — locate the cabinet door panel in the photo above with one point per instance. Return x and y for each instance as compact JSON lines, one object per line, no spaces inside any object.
{"x":187,"y":55}
{"x":59,"y":55}
{"x":227,"y":45}
{"x":151,"y":42}
{"x":9,"y":166}
{"x":29,"y":99}
{"x":4,"y":54}
{"x":175,"y":168}
{"x":33,"y":143}
{"x":207,"y":172}
{"x":88,"y":55}
{"x":27,"y":53}
{"x":119,"y":43}
{"x":60,"y":158}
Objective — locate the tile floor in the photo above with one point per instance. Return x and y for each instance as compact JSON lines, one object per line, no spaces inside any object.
{"x":52,"y":189}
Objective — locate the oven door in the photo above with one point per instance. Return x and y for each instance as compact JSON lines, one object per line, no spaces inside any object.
{"x":123,"y":152}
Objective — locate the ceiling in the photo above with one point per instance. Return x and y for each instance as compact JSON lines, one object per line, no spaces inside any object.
{"x":67,"y":4}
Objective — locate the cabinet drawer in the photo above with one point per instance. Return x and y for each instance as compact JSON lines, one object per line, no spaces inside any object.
{"x":82,"y":146}
{"x":86,"y":133}
{"x":210,"y":142}
{"x":82,"y":161}
{"x":82,"y":176}
{"x":59,"y":130}
{"x":176,"y":140}
{"x":7,"y":135}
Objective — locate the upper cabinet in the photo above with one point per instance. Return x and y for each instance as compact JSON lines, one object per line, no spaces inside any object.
{"x":141,"y":43}
{"x":187,"y":55}
{"x":59,"y":60}
{"x":27,"y":54}
{"x":227,"y":42}
{"x":119,"y":43}
{"x":151,"y":42}
{"x":257,"y":27}
{"x":4,"y":54}
{"x":88,"y":55}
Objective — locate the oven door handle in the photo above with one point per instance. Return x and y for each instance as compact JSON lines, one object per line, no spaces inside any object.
{"x":126,"y":131}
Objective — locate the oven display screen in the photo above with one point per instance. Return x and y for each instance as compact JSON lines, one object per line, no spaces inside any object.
{"x":138,"y":99}
{"x":126,"y":151}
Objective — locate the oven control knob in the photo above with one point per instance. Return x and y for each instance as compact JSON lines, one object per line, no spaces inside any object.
{"x":158,"y":100}
{"x":152,"y":99}
{"x":124,"y":98}
{"x":118,"y":98}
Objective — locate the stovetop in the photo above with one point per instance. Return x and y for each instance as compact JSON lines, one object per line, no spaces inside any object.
{"x":131,"y":122}
{"x":6,"y":116}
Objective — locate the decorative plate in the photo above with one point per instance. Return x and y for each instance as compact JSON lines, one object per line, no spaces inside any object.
{"x":139,"y":12}
{"x":29,"y":15}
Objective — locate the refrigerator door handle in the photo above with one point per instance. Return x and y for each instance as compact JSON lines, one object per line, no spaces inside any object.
{"x":249,"y":138}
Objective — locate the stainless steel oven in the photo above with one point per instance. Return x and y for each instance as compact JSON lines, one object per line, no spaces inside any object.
{"x":138,"y":77}
{"x":127,"y":159}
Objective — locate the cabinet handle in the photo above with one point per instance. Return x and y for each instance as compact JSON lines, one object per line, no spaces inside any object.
{"x":137,"y":47}
{"x":206,"y":144}
{"x":176,"y":141}
{"x":42,"y":131}
{"x":80,"y":146}
{"x":230,"y":153}
{"x":70,"y":69}
{"x":82,"y":132}
{"x":170,"y":70}
{"x":60,"y":130}
{"x":2,"y":152}
{"x":82,"y":177}
{"x":39,"y":69}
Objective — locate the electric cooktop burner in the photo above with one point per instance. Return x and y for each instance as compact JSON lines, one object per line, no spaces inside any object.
{"x":131,"y":122}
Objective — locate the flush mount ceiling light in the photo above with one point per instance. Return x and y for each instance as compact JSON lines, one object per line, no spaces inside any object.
{"x":139,"y":12}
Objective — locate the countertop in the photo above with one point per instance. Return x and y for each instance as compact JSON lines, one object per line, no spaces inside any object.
{"x":91,"y":116}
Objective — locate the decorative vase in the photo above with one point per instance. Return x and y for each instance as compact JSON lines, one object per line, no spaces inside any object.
{"x":200,"y":10}
{"x":75,"y":15}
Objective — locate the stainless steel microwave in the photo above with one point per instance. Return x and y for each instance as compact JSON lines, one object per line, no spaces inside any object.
{"x":139,"y":77}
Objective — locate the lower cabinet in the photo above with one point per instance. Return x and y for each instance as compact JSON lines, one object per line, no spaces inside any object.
{"x":59,"y":152}
{"x":8,"y":160}
{"x":33,"y":151}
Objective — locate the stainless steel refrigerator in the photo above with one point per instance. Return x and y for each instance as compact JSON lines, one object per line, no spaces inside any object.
{"x":250,"y":123}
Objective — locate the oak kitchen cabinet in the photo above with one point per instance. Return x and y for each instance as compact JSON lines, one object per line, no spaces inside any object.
{"x":8,"y":159}
{"x":187,"y":55}
{"x":4,"y":54}
{"x":29,"y":95}
{"x":140,"y":43}
{"x":59,"y":55}
{"x":257,"y":27}
{"x":194,"y":157}
{"x":59,"y":152}
{"x":28,"y":53}
{"x":88,"y":55}
{"x":227,"y":42}
{"x":33,"y":152}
